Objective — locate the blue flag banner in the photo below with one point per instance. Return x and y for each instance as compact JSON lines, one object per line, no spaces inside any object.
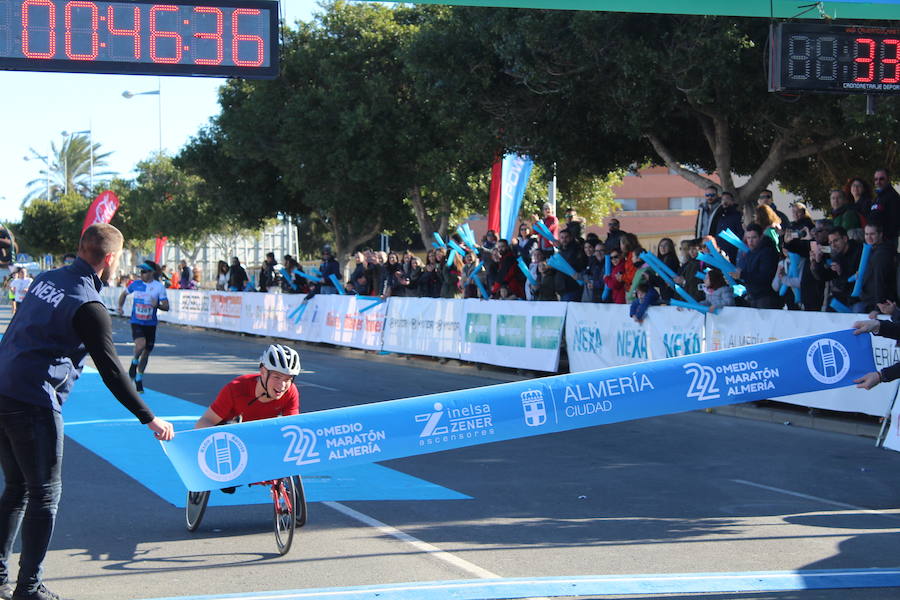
{"x":516,"y":170}
{"x":260,"y":450}
{"x":861,"y":271}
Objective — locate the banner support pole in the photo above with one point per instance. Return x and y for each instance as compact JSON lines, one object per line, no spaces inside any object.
{"x":886,"y":422}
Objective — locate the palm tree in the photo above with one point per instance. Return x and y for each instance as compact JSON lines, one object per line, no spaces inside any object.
{"x":69,"y":169}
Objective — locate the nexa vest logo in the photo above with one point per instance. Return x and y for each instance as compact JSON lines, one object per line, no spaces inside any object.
{"x":302,"y":446}
{"x":534,"y":408}
{"x":222,"y":456}
{"x":828,"y":361}
{"x":703,"y":382}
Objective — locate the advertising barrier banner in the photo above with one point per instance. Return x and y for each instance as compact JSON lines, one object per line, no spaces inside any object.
{"x":424,"y":326}
{"x":735,"y":327}
{"x":345,"y":324}
{"x":512,"y":333}
{"x":603,"y":335}
{"x":520,"y":334}
{"x":260,"y":450}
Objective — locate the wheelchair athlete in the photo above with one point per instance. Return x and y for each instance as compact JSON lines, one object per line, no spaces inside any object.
{"x":269,"y":393}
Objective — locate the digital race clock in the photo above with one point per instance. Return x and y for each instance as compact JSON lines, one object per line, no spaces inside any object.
{"x":834,"y":58}
{"x":224,"y":39}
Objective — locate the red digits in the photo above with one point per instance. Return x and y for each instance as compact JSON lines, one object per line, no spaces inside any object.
{"x":205,"y":35}
{"x":154,"y":35}
{"x":95,"y":41}
{"x":26,"y":50}
{"x":238,"y":37}
{"x":134,"y":33}
{"x":869,"y":60}
{"x":891,"y":61}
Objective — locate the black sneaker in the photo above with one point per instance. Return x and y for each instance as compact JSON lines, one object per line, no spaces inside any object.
{"x":6,"y":591}
{"x":42,"y":593}
{"x":139,"y":385}
{"x":132,"y":371}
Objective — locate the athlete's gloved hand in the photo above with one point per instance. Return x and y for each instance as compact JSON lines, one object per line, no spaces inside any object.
{"x":162,"y":429}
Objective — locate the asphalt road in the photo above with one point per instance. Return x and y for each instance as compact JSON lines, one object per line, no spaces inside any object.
{"x":690,"y":493}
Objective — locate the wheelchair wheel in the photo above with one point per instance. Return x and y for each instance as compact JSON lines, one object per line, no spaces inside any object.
{"x":301,"y":501}
{"x":195,"y":508}
{"x":284,"y":494}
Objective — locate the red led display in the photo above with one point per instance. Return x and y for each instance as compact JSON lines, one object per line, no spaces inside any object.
{"x":834,"y":58}
{"x":229,"y":38}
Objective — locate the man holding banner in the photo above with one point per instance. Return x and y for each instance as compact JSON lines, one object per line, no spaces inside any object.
{"x":60,"y":322}
{"x":887,"y":329}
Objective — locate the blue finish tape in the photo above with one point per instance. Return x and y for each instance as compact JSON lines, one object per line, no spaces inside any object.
{"x":325,"y":440}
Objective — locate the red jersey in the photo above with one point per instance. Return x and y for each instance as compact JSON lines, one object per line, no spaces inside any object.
{"x":235,"y":399}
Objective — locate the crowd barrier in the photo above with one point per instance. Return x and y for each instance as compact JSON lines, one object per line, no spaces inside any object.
{"x":527,"y":335}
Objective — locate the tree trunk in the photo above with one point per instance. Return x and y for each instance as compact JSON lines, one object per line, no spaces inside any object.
{"x":346,"y":242}
{"x":426,"y":225}
{"x":716,"y":130}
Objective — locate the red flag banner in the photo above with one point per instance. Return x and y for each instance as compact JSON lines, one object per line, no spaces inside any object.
{"x":494,"y":198}
{"x":101,"y":210}
{"x":160,"y":245}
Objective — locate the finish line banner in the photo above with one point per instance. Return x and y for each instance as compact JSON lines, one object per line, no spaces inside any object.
{"x":243,"y":453}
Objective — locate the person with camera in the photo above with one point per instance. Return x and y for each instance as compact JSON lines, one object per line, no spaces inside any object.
{"x":833,"y":264}
{"x":801,"y":242}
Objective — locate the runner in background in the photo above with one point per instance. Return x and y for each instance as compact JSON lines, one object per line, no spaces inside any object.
{"x":19,"y":287}
{"x":149,"y":294}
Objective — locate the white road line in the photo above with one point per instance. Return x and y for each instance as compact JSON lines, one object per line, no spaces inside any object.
{"x":818,"y":499}
{"x":316,"y":385}
{"x":434,"y":551}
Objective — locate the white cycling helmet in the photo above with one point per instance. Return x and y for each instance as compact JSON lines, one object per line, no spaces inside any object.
{"x":281,"y":359}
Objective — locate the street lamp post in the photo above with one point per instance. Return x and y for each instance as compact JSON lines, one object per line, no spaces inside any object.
{"x":90,"y":132}
{"x":158,"y":93}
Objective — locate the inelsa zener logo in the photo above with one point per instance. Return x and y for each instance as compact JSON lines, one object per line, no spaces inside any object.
{"x":446,"y":424}
{"x":828,"y":361}
{"x":222,"y":456}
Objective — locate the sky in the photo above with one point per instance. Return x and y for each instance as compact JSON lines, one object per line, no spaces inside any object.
{"x":36,"y":107}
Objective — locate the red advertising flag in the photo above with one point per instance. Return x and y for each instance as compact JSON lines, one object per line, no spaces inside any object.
{"x":101,"y":210}
{"x":160,"y":244}
{"x":494,"y":198}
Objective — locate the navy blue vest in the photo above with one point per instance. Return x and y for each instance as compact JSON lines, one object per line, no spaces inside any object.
{"x":41,"y":356}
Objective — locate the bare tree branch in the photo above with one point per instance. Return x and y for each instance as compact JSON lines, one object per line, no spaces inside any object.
{"x":669,"y":160}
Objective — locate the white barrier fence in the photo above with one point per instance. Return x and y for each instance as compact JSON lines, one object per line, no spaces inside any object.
{"x":525,"y":335}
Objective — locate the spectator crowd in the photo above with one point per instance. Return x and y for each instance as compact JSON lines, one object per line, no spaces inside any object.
{"x":791,"y":262}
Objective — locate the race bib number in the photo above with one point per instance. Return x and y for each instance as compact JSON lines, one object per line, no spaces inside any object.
{"x":143,"y":311}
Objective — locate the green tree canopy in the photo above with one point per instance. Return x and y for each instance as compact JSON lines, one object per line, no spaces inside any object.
{"x":596,"y":91}
{"x":52,"y":226}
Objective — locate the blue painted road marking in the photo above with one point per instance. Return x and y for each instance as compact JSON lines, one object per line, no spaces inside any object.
{"x":98,"y":422}
{"x":606,"y":585}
